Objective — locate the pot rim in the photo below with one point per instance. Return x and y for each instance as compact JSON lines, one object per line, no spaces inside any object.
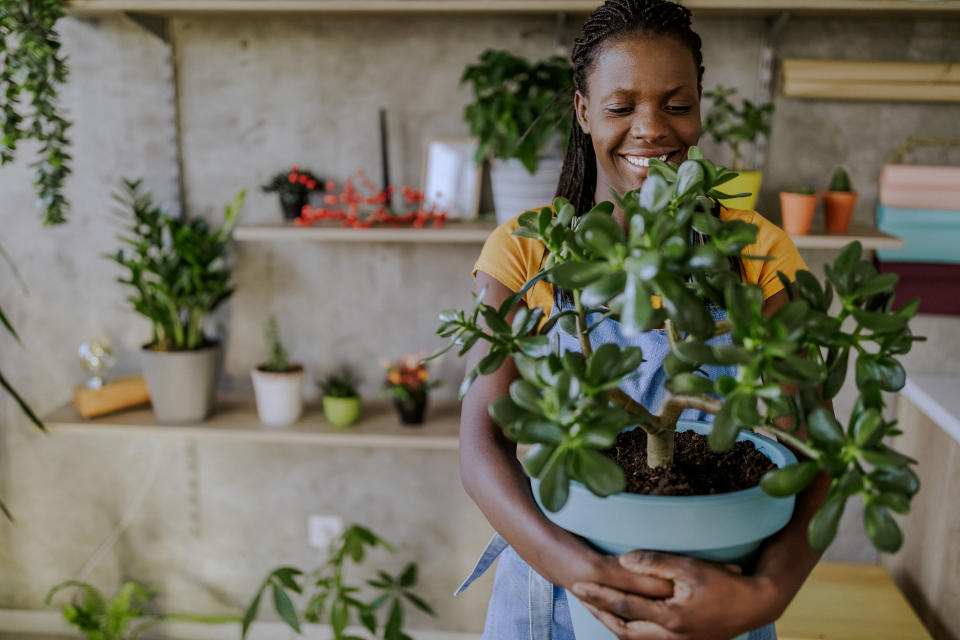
{"x":295,"y":370}
{"x":208,"y":344}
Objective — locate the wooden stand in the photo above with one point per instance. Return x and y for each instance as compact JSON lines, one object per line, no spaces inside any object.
{"x":120,"y":394}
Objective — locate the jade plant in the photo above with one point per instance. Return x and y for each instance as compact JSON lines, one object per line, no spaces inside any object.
{"x":570,"y":408}
{"x":177,"y":267}
{"x":334,"y":600}
{"x":735,"y":127}
{"x":518,"y":106}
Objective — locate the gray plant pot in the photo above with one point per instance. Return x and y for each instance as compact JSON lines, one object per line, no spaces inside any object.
{"x":181,"y":383}
{"x":515,"y":190}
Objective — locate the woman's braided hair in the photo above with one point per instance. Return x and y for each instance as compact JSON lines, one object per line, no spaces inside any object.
{"x":608,"y":23}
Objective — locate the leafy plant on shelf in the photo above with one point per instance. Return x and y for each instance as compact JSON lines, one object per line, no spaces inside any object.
{"x":570,"y":407}
{"x":124,"y":617}
{"x":735,"y":127}
{"x":294,"y":183}
{"x":278,"y":360}
{"x":177,"y":266}
{"x":340,"y":384}
{"x":407,"y":378}
{"x":518,"y":106}
{"x":333,"y":600}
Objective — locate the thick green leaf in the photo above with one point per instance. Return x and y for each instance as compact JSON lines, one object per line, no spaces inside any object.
{"x":790,"y":480}
{"x":836,"y":373}
{"x":525,"y":395}
{"x":554,"y":483}
{"x":577,"y":275}
{"x":540,"y":431}
{"x":505,"y":411}
{"x":284,"y":607}
{"x":824,"y":429}
{"x":603,"y":476}
{"x":603,"y":363}
{"x":809,"y":288}
{"x":638,"y":309}
{"x":868,"y":428}
{"x":880,"y":322}
{"x":881,"y":528}
{"x":690,"y":383}
{"x":823,"y":525}
{"x":690,"y":177}
{"x":536,"y":458}
{"x":845,"y":266}
{"x":644,"y":266}
{"x":886,"y":373}
{"x":603,"y":289}
{"x":881,"y":283}
{"x":724,"y":431}
{"x":896,"y":479}
{"x":492,"y":361}
{"x":655,"y":193}
{"x":695,"y":353}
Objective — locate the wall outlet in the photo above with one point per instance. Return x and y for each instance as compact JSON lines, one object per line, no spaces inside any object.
{"x":321,"y":530}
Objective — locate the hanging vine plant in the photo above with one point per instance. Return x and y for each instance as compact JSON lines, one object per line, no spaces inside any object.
{"x":32,"y":67}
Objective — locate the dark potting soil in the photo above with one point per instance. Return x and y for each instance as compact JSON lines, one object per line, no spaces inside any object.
{"x":695,"y":471}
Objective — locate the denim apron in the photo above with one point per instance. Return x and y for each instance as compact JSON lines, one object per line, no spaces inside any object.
{"x":524,"y":605}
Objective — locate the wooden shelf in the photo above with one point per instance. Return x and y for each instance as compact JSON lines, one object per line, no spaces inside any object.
{"x":869,"y":237}
{"x":833,"y":8}
{"x":237,"y":420}
{"x":450,"y":233}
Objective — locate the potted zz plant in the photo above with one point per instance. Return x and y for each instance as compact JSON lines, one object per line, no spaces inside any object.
{"x":178,"y":270}
{"x":408,"y":382}
{"x":342,"y":404}
{"x":736,"y":128}
{"x":797,"y":209}
{"x":838,"y":202}
{"x":277,"y":383}
{"x":294,"y":188}
{"x":569,"y":406}
{"x":520,"y":110}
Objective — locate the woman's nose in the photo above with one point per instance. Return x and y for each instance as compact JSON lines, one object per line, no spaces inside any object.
{"x":648,"y":124}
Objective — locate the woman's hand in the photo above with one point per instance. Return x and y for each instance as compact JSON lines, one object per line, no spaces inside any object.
{"x":706,"y":601}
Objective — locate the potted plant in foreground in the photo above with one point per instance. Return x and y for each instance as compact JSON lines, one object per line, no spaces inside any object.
{"x":277,"y":383}
{"x":737,"y":128}
{"x":797,"y":209}
{"x":570,"y":408}
{"x":838,"y":202}
{"x":178,"y":269}
{"x":408,"y":382}
{"x":519,"y":110}
{"x":342,"y":404}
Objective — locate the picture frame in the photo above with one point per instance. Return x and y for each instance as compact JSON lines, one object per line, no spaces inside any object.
{"x":451,"y":177}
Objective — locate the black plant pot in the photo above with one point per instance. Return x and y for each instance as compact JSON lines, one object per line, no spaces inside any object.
{"x":292,"y":204}
{"x":411,"y":411}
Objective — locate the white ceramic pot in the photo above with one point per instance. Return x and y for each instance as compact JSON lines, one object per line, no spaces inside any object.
{"x":181,"y":383}
{"x":279,"y":395}
{"x":515,"y":190}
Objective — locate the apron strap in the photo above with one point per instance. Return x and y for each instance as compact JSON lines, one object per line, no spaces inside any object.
{"x":490,"y":553}
{"x":541,"y":607}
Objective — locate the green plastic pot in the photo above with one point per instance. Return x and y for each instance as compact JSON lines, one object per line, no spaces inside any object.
{"x":342,"y":412}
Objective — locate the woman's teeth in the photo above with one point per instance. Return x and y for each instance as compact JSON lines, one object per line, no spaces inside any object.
{"x":641,"y":161}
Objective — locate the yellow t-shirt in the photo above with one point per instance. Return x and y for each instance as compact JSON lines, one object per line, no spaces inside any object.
{"x":512,"y":260}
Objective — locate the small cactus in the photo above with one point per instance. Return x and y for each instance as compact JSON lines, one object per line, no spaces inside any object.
{"x":840,"y":181}
{"x":278,"y":360}
{"x":806,"y":190}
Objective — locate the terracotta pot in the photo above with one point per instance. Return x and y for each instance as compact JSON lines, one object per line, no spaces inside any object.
{"x":838,"y":209}
{"x":797,"y":211}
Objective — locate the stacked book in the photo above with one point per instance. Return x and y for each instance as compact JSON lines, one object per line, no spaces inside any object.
{"x":921,"y":204}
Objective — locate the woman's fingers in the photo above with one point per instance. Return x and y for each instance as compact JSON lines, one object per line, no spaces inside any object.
{"x":636,"y":630}
{"x":665,"y":566}
{"x":625,"y":606}
{"x":617,"y":576}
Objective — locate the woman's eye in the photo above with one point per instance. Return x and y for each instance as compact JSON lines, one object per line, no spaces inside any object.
{"x":619,"y":110}
{"x":678,"y":109}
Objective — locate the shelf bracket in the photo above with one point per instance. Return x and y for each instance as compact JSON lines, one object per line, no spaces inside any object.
{"x":765,"y":74}
{"x":158,"y":26}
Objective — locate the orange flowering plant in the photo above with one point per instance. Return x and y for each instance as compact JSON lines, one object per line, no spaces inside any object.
{"x":294,"y":181}
{"x":407,"y":378}
{"x":364,"y":206}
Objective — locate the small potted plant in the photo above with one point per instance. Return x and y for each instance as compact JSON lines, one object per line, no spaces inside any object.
{"x":277,"y":383}
{"x":294,"y":187}
{"x":797,"y":209}
{"x":583,"y":427}
{"x":736,"y":128}
{"x":838,"y":202}
{"x":519,"y":110}
{"x":342,"y":404}
{"x":178,"y":269}
{"x":123,"y":617}
{"x":333,"y":599}
{"x":408,"y":382}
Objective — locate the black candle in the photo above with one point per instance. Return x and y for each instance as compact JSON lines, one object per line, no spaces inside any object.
{"x":384,"y":154}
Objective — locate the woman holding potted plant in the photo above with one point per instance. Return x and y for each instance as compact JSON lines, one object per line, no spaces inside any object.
{"x":637,"y":75}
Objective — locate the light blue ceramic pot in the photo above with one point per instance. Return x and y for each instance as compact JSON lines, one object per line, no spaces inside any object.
{"x":725,"y":528}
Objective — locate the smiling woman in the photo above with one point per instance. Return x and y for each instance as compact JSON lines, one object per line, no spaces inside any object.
{"x":637,"y":78}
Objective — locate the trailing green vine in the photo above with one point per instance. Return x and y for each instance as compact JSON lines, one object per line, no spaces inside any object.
{"x":31,"y":63}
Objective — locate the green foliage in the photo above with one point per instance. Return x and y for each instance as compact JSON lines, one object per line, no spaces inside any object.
{"x":734,"y":127}
{"x":518,"y":106}
{"x":569,"y":407}
{"x":806,"y":190}
{"x":31,"y":63}
{"x":124,"y":617}
{"x":277,"y":360}
{"x":340,"y":384}
{"x":840,"y":181}
{"x":176,"y":266}
{"x":334,"y":601}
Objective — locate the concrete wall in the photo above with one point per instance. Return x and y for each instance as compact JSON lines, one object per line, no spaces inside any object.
{"x":257,"y":95}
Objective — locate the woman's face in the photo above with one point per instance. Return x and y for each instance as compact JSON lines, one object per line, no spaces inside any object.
{"x":642,"y":101}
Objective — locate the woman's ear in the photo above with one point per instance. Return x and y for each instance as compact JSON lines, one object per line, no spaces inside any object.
{"x":580,"y":108}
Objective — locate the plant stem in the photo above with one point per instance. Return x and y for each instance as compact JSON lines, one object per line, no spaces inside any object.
{"x":585,"y":348}
{"x":792,"y":440}
{"x":647,"y":421}
{"x":673,"y":336}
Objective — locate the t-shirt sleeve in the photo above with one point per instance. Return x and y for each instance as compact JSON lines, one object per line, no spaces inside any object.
{"x":774,"y":242}
{"x":505,"y":257}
